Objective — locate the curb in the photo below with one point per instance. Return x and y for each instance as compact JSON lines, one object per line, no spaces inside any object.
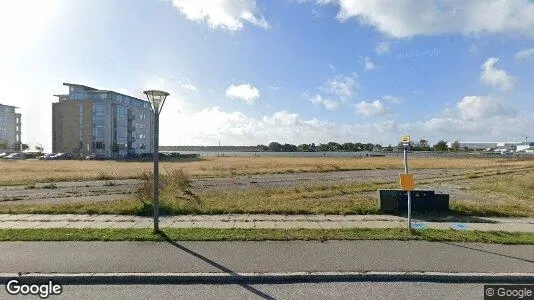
{"x":263,"y":278}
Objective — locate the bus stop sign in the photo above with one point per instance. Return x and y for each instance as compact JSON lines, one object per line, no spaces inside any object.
{"x":405,"y":140}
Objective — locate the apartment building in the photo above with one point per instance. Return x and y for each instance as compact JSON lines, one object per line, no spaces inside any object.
{"x":88,"y":120}
{"x":10,"y":125}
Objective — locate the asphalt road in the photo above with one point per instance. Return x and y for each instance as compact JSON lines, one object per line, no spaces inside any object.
{"x":350,"y":290}
{"x":262,"y":257}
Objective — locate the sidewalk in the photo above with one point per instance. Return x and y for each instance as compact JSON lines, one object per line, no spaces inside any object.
{"x":22,"y":221}
{"x":208,"y":262}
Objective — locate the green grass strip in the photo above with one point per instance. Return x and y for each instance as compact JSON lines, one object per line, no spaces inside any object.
{"x":213,"y":234}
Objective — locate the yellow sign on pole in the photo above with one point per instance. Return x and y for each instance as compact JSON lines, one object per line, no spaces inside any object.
{"x":405,"y":140}
{"x":407,"y":182}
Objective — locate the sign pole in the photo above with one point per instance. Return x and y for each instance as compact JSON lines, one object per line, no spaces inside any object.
{"x":408,"y":192}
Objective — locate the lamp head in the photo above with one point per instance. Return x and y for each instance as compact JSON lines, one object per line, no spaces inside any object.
{"x":156,"y":98}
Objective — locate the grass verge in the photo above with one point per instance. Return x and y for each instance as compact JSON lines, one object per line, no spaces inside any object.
{"x":212,"y":234}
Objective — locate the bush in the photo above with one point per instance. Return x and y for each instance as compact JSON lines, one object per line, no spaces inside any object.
{"x":50,"y":186}
{"x":104,"y":176}
{"x":175,"y":195}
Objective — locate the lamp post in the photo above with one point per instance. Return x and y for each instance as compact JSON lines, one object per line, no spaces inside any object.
{"x":157,"y":99}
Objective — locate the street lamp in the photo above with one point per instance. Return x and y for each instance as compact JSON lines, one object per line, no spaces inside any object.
{"x":157,"y":99}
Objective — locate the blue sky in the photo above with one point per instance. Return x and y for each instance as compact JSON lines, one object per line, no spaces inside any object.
{"x":249,"y":72}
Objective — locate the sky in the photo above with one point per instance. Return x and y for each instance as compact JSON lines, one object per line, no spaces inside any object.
{"x":245,"y":72}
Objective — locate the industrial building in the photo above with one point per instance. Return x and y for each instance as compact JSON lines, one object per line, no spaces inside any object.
{"x":88,"y":121}
{"x":498,"y":146}
{"x":10,"y":128}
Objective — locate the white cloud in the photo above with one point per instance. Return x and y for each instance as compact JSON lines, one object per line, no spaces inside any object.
{"x":375,"y":108}
{"x":188,"y":86}
{"x":327,"y":103}
{"x":525,"y":53}
{"x":226,"y":14}
{"x":392,"y":99}
{"x":331,"y":66}
{"x":245,"y":92}
{"x":315,"y":13}
{"x":496,"y":77}
{"x":369,"y":64}
{"x":477,"y":108}
{"x":476,"y":118}
{"x":341,"y":86}
{"x":382,"y":48}
{"x":273,"y":87}
{"x":405,"y":18}
{"x":212,"y":124}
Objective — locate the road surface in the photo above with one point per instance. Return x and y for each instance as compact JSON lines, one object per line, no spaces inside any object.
{"x":264,"y":257}
{"x":348,"y":290}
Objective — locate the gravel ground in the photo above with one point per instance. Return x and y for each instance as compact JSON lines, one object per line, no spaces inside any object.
{"x":118,"y":189}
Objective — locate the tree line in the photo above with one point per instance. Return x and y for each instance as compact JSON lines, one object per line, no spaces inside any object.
{"x":421,"y":145}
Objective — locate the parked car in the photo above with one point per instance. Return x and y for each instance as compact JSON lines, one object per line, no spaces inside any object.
{"x":46,"y":156}
{"x":97,"y":156}
{"x":3,"y":155}
{"x":16,"y":155}
{"x":62,"y":156}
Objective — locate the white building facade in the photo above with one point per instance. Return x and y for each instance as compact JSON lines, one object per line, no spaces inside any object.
{"x":10,"y":127}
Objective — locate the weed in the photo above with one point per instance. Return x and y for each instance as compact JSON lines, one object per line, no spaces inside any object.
{"x":50,"y":186}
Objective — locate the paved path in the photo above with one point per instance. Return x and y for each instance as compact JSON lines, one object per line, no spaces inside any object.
{"x":19,"y":221}
{"x":264,"y":257}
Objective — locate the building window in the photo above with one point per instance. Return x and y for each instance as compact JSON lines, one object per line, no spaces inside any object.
{"x":98,"y":145}
{"x":98,"y":133}
{"x":81,"y":121}
{"x":99,"y":109}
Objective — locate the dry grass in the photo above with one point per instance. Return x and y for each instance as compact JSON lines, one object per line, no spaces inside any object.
{"x":512,"y":194}
{"x":519,"y":186}
{"x":32,"y":171}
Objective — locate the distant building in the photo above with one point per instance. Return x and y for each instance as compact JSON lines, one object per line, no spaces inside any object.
{"x":502,"y":147}
{"x":10,"y":125}
{"x":526,"y":146}
{"x":89,"y":120}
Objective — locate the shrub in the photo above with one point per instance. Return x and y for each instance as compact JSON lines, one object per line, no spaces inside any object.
{"x":175,"y":195}
{"x":50,"y":186}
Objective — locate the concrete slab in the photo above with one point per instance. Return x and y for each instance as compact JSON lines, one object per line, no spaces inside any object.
{"x":182,"y":224}
{"x":203,"y":224}
{"x":142,"y":225}
{"x":52,"y":224}
{"x":16,"y":224}
{"x":242,"y":224}
{"x":265,"y":224}
{"x":123,"y":224}
{"x":330,"y":225}
{"x":16,"y":217}
{"x":224,"y":224}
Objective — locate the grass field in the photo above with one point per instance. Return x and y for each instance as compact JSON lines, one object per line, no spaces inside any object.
{"x":502,"y":187}
{"x":212,"y":234}
{"x":512,"y":196}
{"x":32,"y":171}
